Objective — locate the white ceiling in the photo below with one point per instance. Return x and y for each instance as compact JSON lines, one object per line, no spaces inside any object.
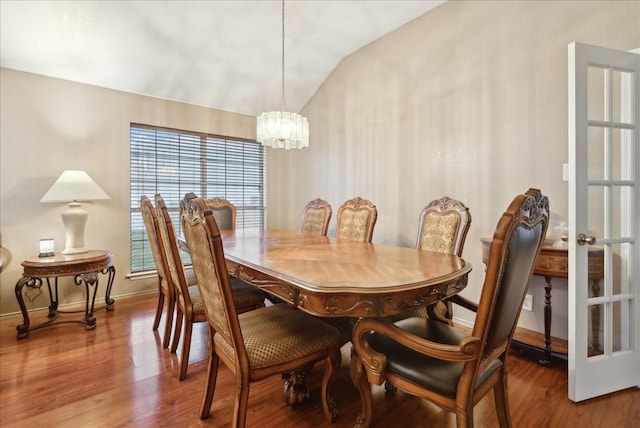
{"x":220,"y":54}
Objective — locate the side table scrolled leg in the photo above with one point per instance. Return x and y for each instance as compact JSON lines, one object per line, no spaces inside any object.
{"x":53,"y":299}
{"x":23,"y":329}
{"x":111,"y":271}
{"x":90,"y":280}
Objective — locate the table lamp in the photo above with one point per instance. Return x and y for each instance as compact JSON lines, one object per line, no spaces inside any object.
{"x":73,"y":187}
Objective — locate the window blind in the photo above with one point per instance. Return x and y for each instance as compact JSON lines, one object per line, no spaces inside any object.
{"x":174,"y":162}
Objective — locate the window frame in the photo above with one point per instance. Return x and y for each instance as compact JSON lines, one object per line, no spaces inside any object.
{"x":172,"y":162}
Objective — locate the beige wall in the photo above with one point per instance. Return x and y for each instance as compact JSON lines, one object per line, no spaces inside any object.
{"x":49,"y":125}
{"x":468,"y":101}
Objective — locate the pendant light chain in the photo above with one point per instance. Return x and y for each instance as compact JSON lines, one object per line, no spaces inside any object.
{"x":282,"y":55}
{"x":282,"y":129}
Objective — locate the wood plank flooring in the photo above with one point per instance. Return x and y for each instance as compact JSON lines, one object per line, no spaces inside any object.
{"x":118,"y":376}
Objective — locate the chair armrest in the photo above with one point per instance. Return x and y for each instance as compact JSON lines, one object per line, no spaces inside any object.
{"x":465,"y":303}
{"x":468,"y":349}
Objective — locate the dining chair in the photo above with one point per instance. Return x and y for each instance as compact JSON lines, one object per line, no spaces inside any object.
{"x":356,"y":220}
{"x":190,"y":308}
{"x":315,"y":217}
{"x":442,"y":226}
{"x":256,"y":344}
{"x":447,"y":366}
{"x":224,"y":212}
{"x":166,"y":291}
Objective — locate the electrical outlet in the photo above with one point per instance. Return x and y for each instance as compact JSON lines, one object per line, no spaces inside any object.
{"x":528,"y":303}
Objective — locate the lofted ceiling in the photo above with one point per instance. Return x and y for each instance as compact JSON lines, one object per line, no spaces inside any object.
{"x":219,"y":54}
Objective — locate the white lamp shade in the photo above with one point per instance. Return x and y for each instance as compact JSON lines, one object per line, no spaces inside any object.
{"x":74,"y":186}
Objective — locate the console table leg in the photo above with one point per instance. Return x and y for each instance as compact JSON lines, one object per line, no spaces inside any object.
{"x":547,"y":321}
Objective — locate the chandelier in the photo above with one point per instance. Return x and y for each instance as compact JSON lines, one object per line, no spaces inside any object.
{"x":282,"y":129}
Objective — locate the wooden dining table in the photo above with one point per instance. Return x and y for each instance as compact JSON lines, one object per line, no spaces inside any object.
{"x":329,"y":277}
{"x":334,"y":278}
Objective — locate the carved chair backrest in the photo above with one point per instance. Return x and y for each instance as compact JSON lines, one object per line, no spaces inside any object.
{"x":207,"y":255}
{"x":169,"y":240}
{"x":151,"y":224}
{"x":356,"y":220}
{"x":315,"y":217}
{"x":515,"y":246}
{"x":224,"y":212}
{"x":443,"y":226}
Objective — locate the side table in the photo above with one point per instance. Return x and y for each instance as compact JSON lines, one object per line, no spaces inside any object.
{"x":551,"y":263}
{"x":84,"y":268}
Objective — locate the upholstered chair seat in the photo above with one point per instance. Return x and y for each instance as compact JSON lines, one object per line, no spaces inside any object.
{"x":415,"y":367}
{"x":279,"y":333}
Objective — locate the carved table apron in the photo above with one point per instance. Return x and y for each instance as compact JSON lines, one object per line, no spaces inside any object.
{"x":328,"y":277}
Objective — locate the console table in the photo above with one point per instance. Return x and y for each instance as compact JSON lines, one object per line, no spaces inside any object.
{"x":84,"y":268}
{"x":551,"y":263}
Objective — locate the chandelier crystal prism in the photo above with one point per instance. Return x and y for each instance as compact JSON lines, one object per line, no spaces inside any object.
{"x":282,"y":129}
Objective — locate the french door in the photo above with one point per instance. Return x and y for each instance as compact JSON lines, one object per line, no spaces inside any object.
{"x":604,"y":216}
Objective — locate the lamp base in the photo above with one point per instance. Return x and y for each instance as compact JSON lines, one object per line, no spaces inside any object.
{"x":68,"y":251}
{"x":74,"y":219}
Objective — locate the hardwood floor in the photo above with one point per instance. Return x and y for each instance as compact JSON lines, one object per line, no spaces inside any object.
{"x":118,"y":376}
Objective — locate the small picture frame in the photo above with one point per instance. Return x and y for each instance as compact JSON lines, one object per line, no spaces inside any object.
{"x":46,"y":247}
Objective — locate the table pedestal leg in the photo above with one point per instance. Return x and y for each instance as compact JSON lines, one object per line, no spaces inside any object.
{"x":296,"y":390}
